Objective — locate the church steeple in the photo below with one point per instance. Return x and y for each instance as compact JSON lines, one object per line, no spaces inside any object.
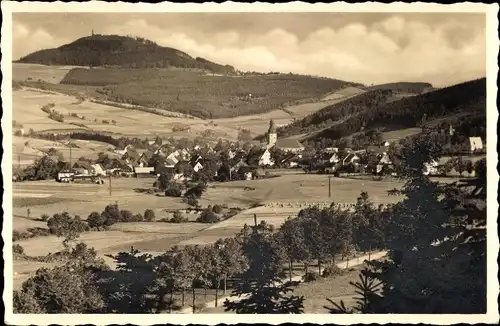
{"x":272,"y":127}
{"x":272,"y":134}
{"x":92,"y":32}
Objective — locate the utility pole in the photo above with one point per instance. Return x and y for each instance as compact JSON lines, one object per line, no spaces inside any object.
{"x":19,"y":161}
{"x":329,"y":186}
{"x":70,"y":157}
{"x":110,"y":185}
{"x":255,"y":219}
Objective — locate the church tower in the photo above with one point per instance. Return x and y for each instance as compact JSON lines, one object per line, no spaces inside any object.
{"x":272,"y":134}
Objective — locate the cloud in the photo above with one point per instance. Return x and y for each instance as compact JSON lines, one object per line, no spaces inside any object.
{"x":27,"y":40}
{"x":396,"y":48}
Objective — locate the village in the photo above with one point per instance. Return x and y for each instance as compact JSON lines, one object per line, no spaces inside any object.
{"x":233,"y":162}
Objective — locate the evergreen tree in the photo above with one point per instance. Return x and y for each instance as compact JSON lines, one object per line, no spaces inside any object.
{"x":261,"y":290}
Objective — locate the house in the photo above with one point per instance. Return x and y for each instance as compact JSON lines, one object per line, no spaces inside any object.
{"x":96,"y":169}
{"x":385,"y":144}
{"x":65,"y":176}
{"x":334,"y":158}
{"x":384,"y":161}
{"x":144,"y":171}
{"x":197,"y":167}
{"x":331,"y":150}
{"x":377,"y":150}
{"x":431,"y":168}
{"x":145,"y":158}
{"x":123,"y":151}
{"x":290,"y":161}
{"x":350,"y":158}
{"x":266,"y":159}
{"x":131,"y":156}
{"x":476,"y":144}
{"x":82,"y":167}
{"x":173,"y":157}
{"x":289,"y":145}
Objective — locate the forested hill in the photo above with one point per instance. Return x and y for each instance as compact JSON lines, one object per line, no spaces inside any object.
{"x":468,"y":97}
{"x":336,"y":113}
{"x":404,"y":87}
{"x":121,"y":51}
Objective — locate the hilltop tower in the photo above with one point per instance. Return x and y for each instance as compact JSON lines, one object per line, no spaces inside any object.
{"x":272,"y":134}
{"x":92,"y":32}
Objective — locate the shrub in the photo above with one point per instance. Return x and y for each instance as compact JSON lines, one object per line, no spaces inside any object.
{"x":38,"y":232}
{"x":126,"y":216}
{"x":310,"y":277}
{"x":96,"y":220}
{"x":179,"y":218}
{"x":44,"y":217}
{"x":197,"y":190}
{"x":56,"y":116}
{"x":208,"y":216}
{"x":18,"y":133}
{"x":149,"y":215}
{"x":16,"y":235}
{"x":138,"y":218}
{"x":173,"y":189}
{"x":191,"y":201}
{"x":332,"y":270}
{"x":217,"y":209}
{"x":18,"y":249}
{"x":106,"y":122}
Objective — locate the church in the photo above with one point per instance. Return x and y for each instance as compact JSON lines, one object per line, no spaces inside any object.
{"x":286,"y":145}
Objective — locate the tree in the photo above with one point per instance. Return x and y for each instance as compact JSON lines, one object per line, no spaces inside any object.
{"x":293,"y":239}
{"x":111,"y":214}
{"x":96,"y":220}
{"x":67,"y":289}
{"x":196,"y":191}
{"x":260,"y":289}
{"x":128,"y":288}
{"x":63,"y":225}
{"x":149,"y":215}
{"x":207,"y":216}
{"x":436,"y":249}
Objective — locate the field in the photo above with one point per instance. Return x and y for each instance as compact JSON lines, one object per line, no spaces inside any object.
{"x":129,"y":122}
{"x":49,"y":74}
{"x":82,"y":199}
{"x":26,"y":150}
{"x":202,"y":95}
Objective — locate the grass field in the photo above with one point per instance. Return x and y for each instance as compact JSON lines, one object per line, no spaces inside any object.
{"x":49,"y":74}
{"x":200,"y":95}
{"x":28,"y":149}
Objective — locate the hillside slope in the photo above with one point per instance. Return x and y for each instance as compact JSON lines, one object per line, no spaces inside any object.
{"x":467,"y":98}
{"x":404,"y":87}
{"x":122,"y":51}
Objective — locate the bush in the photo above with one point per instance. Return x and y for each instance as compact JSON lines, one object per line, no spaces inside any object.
{"x":208,"y":216}
{"x":310,"y":277}
{"x":44,"y":217}
{"x":96,"y":220}
{"x":106,"y":122}
{"x":127,"y":216}
{"x":173,"y":189}
{"x":149,"y":215}
{"x":332,"y":270}
{"x":18,"y":249}
{"x":38,"y":232}
{"x":217,"y":209}
{"x":191,"y":201}
{"x":138,"y":218}
{"x":179,"y":218}
{"x":16,"y":235}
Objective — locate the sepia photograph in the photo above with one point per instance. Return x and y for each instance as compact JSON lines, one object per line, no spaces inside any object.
{"x":270,"y":159}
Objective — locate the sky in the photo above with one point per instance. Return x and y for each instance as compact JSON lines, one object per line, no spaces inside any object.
{"x":370,"y":48}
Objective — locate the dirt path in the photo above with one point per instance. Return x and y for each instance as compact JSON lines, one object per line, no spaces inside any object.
{"x":352,"y":263}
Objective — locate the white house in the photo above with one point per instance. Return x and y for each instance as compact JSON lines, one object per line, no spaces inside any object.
{"x":97,"y":169}
{"x":384,"y":160}
{"x":197,"y":167}
{"x":431,"y":167}
{"x":265,"y":158}
{"x":334,"y":158}
{"x":350,"y":158}
{"x":476,"y":143}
